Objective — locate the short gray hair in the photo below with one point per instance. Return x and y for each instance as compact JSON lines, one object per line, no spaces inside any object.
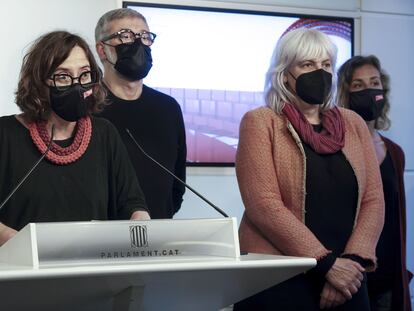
{"x":102,"y":25}
{"x":296,"y":46}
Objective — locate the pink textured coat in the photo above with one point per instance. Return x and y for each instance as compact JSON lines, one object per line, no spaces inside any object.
{"x":270,"y":167}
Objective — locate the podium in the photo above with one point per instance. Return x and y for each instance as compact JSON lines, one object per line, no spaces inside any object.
{"x":192,"y":264}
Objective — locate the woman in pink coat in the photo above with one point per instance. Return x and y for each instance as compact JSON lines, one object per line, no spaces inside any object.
{"x":309,"y":181}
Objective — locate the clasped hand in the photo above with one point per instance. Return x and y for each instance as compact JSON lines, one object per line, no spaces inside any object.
{"x":343,"y":280}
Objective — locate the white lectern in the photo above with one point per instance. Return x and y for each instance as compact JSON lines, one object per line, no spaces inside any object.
{"x":181,"y":265}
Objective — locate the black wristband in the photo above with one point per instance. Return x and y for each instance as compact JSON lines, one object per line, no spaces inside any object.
{"x":323,"y":265}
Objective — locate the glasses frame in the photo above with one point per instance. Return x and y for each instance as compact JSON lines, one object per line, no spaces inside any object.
{"x":137,"y":35}
{"x":94,"y":80}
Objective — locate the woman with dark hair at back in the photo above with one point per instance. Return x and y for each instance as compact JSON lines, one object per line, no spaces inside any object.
{"x":86,"y":173}
{"x":364,"y":88}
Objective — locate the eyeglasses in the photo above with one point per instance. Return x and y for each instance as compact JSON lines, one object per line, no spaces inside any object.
{"x":128,"y":36}
{"x":63,"y":81}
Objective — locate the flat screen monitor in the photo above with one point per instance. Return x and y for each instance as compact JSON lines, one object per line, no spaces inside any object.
{"x":213,"y":61}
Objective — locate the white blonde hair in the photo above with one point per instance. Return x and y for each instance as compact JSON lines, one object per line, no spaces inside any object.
{"x":296,"y":46}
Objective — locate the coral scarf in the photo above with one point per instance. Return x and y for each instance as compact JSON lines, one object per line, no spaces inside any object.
{"x":57,"y":154}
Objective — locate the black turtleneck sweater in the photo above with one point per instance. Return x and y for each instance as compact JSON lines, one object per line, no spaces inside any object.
{"x":97,"y":186}
{"x":155,"y":120}
{"x":331,"y":201}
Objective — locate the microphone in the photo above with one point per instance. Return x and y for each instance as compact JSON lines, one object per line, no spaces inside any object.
{"x":176,"y":177}
{"x":30,"y":171}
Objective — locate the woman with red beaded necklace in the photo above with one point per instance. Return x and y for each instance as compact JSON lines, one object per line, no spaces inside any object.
{"x":87,"y":172}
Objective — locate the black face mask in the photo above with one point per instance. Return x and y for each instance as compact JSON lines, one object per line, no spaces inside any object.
{"x":367,"y":103}
{"x":71,"y":104}
{"x":134,"y":60}
{"x":313,"y":87}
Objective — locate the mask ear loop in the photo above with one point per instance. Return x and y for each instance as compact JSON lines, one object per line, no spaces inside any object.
{"x":292,"y":76}
{"x":107,"y":58}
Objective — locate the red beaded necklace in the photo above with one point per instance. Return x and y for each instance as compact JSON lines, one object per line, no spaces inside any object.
{"x":62,"y":155}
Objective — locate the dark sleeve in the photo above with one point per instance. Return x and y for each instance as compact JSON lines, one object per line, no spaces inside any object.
{"x":398,"y":159}
{"x":126,"y":191}
{"x":323,"y":266}
{"x":180,"y":164}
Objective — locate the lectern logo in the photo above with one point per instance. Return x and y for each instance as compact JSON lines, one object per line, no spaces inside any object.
{"x":139,"y":236}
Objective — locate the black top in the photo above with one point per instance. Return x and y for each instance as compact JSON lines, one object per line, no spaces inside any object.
{"x":388,"y":254}
{"x":156,"y":122}
{"x":99,"y":185}
{"x":331,"y":201}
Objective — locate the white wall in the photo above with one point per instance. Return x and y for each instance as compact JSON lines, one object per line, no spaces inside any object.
{"x":386,"y":30}
{"x":24,"y":20}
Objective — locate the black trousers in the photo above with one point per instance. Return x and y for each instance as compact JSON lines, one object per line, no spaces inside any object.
{"x":301,"y":292}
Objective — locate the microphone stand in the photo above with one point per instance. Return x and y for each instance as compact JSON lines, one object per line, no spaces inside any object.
{"x":176,"y":177}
